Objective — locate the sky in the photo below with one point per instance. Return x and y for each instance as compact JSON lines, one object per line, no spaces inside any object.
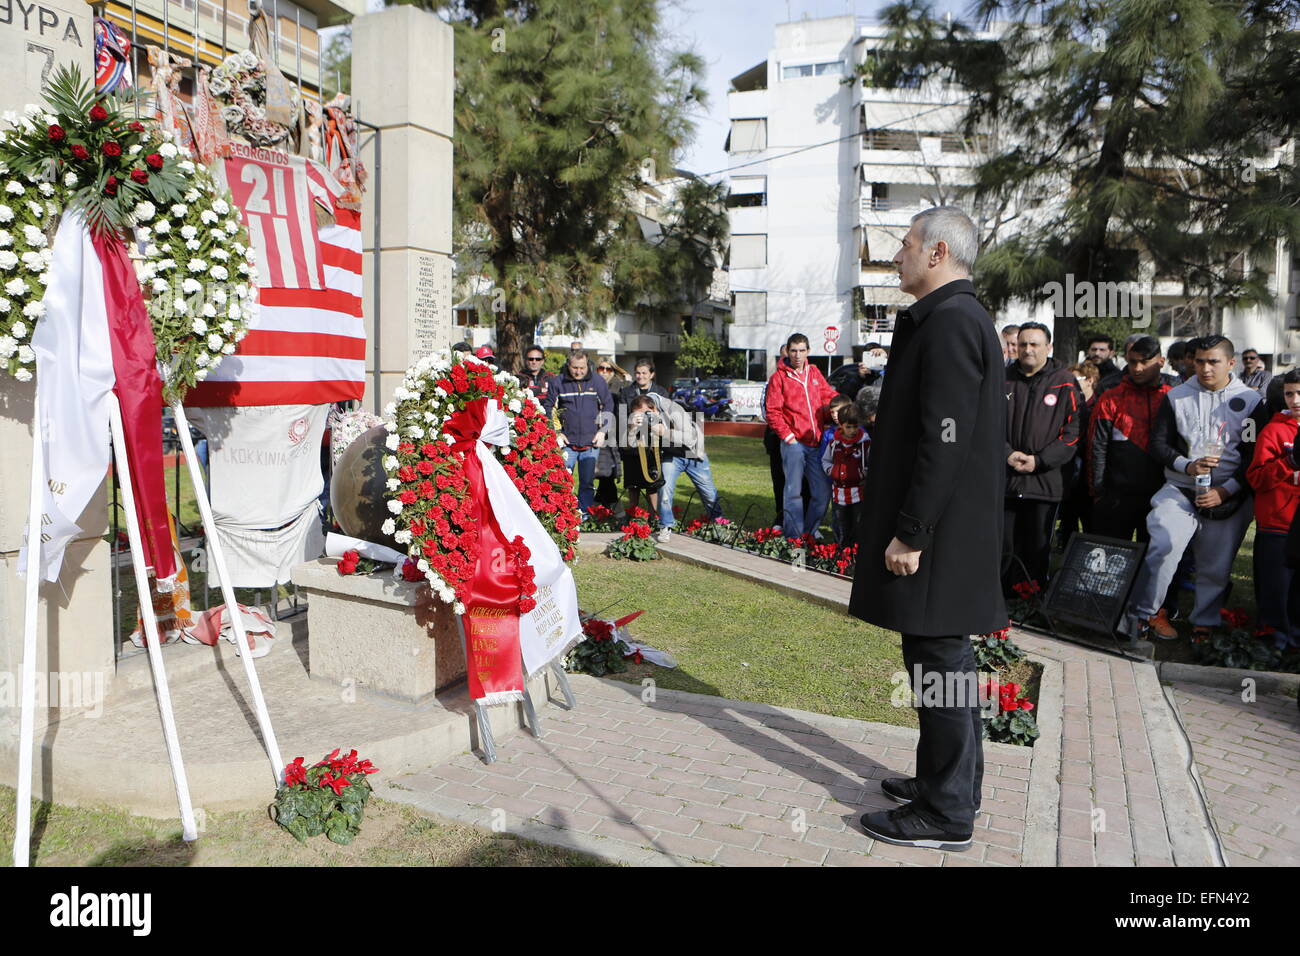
{"x":732,"y":36}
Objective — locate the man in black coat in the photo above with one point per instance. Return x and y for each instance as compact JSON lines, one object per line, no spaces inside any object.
{"x":932,"y":524}
{"x":1043,"y":414}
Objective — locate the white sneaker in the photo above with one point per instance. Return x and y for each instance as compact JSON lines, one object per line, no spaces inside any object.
{"x":663,"y":535}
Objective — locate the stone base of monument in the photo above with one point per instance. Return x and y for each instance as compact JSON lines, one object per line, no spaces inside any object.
{"x":115,"y":757}
{"x":377,"y":635}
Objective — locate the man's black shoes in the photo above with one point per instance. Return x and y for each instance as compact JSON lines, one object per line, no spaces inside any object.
{"x":903,"y":790}
{"x":905,"y":827}
{"x":899,"y":789}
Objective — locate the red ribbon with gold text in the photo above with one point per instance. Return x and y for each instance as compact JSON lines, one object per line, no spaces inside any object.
{"x":493,"y":659}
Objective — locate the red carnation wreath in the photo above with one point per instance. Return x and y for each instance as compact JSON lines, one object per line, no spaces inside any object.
{"x":431,"y":505}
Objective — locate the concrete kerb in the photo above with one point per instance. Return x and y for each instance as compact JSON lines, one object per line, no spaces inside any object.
{"x":1228,"y":678}
{"x":1043,"y":814}
{"x":1187,"y":817}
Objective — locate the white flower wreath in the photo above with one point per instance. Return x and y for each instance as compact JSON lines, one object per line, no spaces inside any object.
{"x":197,"y":269}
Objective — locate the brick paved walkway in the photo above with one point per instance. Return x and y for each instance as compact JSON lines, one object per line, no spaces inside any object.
{"x":1248,"y":757}
{"x":700,"y":779}
{"x":687,"y":778}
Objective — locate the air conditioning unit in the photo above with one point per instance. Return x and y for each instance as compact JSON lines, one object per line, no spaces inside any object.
{"x":1285,"y":358}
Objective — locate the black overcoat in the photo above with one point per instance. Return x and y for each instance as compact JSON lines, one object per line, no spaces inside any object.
{"x":937,"y":473}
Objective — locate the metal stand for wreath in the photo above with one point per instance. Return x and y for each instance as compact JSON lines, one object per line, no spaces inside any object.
{"x":236,"y":618}
{"x":22,"y":823}
{"x":153,"y":636}
{"x":486,"y":741}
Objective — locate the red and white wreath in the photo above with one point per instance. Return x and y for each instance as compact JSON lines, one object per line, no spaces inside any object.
{"x":432,"y":511}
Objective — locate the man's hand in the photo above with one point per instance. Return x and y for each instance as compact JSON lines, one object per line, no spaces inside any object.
{"x":1021,"y":462}
{"x":900,"y":559}
{"x":1211,"y":498}
{"x":1202,"y":466}
{"x":560,"y":439}
{"x":789,"y":439}
{"x":599,"y":440}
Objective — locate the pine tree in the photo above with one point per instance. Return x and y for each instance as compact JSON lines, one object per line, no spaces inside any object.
{"x":1167,"y":126}
{"x":563,"y":110}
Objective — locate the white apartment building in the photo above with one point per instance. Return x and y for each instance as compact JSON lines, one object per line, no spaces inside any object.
{"x":825,"y":178}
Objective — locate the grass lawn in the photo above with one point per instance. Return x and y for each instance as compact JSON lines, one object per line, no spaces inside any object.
{"x":391,"y":835}
{"x":740,"y":640}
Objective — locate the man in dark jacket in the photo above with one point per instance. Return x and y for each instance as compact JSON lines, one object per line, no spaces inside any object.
{"x":643,"y":383}
{"x":932,"y":523}
{"x":1101,"y":352}
{"x":586,"y":417}
{"x":534,"y":377}
{"x":1122,"y":475}
{"x":1043,"y":403}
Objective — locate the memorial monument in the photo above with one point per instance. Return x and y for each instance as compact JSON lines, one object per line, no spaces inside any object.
{"x":75,"y":635}
{"x":402,"y":85}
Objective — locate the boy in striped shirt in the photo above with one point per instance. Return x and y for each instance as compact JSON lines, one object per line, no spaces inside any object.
{"x":845,"y":461}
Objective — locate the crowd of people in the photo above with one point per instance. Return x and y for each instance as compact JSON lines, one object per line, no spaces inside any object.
{"x":1179,"y":451}
{"x":611,"y":427}
{"x":1180,"y":460}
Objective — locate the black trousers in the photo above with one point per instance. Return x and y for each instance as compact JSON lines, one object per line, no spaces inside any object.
{"x":1121,"y":516}
{"x":607,"y":491}
{"x":950,"y":753}
{"x":1076,"y":506}
{"x":1026,"y":535}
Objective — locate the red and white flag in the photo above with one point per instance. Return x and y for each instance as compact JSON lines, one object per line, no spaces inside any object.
{"x":307,"y":343}
{"x":95,"y":338}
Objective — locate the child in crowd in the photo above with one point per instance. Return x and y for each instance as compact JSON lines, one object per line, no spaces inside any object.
{"x":829,"y":417}
{"x":1276,"y":481}
{"x":844,"y":461}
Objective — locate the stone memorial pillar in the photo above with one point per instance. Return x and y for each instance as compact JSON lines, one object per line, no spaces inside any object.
{"x":75,"y":635}
{"x":402,"y":83}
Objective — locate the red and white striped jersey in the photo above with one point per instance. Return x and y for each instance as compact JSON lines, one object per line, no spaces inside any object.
{"x":307,"y":344}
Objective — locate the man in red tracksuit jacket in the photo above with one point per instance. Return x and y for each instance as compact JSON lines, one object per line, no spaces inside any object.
{"x":1276,"y":482}
{"x":1122,"y":475}
{"x":795,"y":394}
{"x":1043,"y":404}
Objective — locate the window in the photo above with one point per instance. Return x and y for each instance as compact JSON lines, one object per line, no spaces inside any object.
{"x":749,"y":308}
{"x":748,"y":135}
{"x":749,"y":252}
{"x":747,"y":191}
{"x":831,"y":67}
{"x":874,"y":77}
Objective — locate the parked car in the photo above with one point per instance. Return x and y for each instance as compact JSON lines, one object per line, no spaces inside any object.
{"x":170,"y":436}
